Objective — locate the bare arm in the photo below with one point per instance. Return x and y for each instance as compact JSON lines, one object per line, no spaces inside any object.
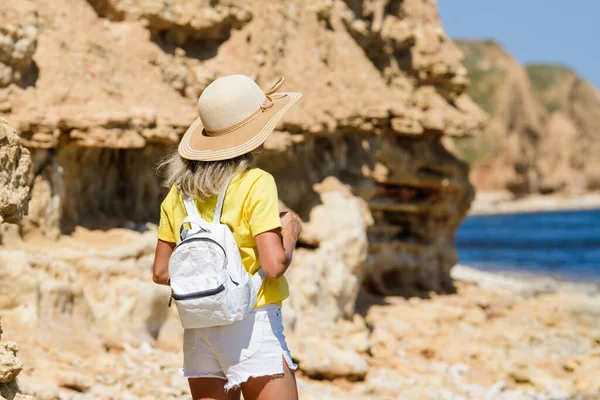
{"x":163,"y":252}
{"x":275,"y":249}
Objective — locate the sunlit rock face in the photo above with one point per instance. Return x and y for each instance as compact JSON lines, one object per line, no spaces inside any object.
{"x":362,"y":158}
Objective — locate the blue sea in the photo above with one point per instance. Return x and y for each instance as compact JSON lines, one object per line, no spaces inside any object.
{"x":564,"y":244}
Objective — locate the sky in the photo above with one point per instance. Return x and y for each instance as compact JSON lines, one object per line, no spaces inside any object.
{"x":563,"y":32}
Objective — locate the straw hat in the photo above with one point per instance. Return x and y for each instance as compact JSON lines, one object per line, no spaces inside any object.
{"x":236,"y":117}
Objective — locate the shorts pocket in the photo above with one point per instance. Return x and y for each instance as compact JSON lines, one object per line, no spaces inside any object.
{"x":252,"y":334}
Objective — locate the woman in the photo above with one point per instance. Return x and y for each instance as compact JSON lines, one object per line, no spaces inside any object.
{"x":235,"y":119}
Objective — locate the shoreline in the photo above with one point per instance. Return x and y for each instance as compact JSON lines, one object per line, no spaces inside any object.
{"x":503,"y":202}
{"x":523,"y":282}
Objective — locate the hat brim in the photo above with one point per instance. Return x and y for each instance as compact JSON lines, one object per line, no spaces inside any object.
{"x":196,"y":144}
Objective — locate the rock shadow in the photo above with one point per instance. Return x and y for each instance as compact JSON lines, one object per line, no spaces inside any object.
{"x":201,"y":49}
{"x":366,"y":299}
{"x":97,"y":188}
{"x":399,"y":283}
{"x":30,"y":76}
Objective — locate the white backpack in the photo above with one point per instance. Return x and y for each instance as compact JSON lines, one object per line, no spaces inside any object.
{"x":209,"y":283}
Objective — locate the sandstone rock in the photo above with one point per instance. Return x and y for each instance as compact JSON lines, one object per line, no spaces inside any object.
{"x":42,"y":389}
{"x":92,"y":113}
{"x":568,"y":161}
{"x":10,"y":366}
{"x":587,"y":377}
{"x":319,"y":358}
{"x":506,"y":155}
{"x":328,"y":278}
{"x":65,"y":195}
{"x":74,"y":381}
{"x":315,"y":390}
{"x":45,"y":211}
{"x":15,"y":166}
{"x":84,"y":285}
{"x":542,"y":135}
{"x":170,"y":336}
{"x":515,"y":334}
{"x":386,"y":143}
{"x":179,"y":20}
{"x":361,"y":159}
{"x":18,"y":40}
{"x":42,"y":288}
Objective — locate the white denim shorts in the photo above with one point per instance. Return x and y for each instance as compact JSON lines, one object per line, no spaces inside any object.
{"x":249,"y":348}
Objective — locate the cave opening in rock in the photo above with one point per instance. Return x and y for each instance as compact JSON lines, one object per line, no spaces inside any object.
{"x":98,"y":188}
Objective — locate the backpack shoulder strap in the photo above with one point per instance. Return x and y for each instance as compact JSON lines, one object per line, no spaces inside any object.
{"x":193,"y":217}
{"x":190,"y":206}
{"x":220,"y":200}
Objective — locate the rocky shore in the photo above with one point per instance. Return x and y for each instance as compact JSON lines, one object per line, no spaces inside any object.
{"x":496,"y":337}
{"x":375,"y":180}
{"x":504,"y":202}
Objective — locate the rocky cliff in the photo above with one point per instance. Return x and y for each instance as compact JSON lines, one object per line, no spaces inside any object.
{"x":569,"y":155}
{"x":543,"y":133}
{"x":116,"y":82}
{"x":100,"y":90}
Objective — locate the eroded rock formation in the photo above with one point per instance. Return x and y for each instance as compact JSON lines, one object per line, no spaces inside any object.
{"x":18,"y":40}
{"x":569,"y":156}
{"x":15,"y":166}
{"x":383,"y":86}
{"x":362,"y":158}
{"x":10,"y":368}
{"x":543,"y":134}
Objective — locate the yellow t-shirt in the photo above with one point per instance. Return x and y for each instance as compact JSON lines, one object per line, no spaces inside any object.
{"x":251,"y":207}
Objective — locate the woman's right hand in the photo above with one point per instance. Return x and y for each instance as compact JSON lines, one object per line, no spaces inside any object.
{"x":291,"y":226}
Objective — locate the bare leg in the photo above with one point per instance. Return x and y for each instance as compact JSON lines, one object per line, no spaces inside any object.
{"x":211,"y":389}
{"x":272,"y":387}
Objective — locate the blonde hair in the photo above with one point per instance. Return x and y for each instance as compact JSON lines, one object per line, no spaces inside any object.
{"x":201,"y":179}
